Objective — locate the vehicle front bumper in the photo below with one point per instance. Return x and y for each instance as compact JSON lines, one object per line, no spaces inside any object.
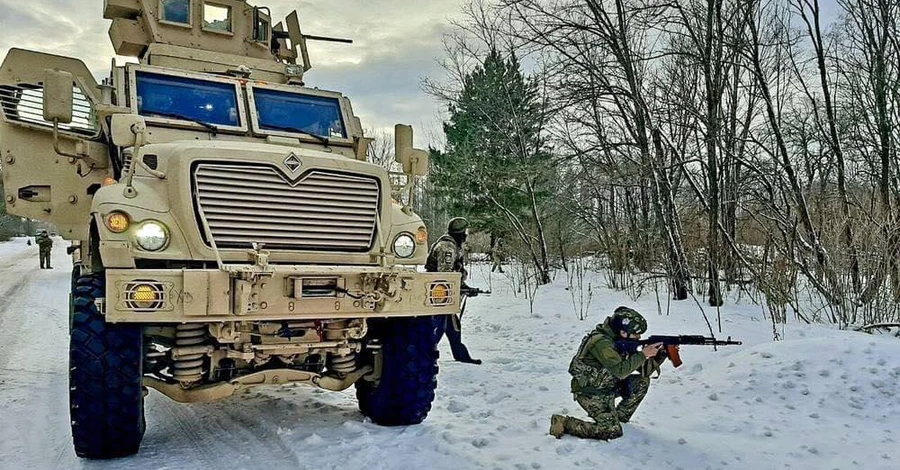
{"x":245,"y":293}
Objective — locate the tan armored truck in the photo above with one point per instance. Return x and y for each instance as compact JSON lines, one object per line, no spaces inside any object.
{"x":229,"y":230}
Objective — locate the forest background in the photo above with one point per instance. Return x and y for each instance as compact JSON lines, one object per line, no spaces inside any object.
{"x":708,"y":150}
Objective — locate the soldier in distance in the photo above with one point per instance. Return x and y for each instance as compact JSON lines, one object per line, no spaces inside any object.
{"x":45,"y":244}
{"x":497,"y":255}
{"x":446,"y":256}
{"x":601,"y":373}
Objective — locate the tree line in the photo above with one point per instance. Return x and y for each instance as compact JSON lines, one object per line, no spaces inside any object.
{"x":718,"y":145}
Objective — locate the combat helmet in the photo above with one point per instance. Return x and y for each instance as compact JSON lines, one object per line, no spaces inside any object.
{"x":457,"y":225}
{"x":628,"y":320}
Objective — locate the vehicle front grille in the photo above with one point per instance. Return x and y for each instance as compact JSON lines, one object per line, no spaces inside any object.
{"x":322,"y":210}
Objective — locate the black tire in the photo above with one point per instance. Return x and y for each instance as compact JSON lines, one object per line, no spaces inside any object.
{"x":404,"y":394}
{"x":105,"y":394}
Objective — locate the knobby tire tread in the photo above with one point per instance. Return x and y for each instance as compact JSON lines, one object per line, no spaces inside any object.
{"x":105,"y":366}
{"x":405,"y":392}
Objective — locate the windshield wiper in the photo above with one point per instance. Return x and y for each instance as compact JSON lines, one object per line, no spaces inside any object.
{"x":207,"y":125}
{"x":318,"y":137}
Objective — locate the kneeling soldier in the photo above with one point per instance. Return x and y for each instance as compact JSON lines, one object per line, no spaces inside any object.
{"x":601,"y":372}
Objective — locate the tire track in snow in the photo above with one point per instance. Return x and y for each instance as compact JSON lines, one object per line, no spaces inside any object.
{"x":11,"y":319}
{"x":218,"y":434}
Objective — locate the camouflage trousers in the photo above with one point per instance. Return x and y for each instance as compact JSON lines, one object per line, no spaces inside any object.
{"x":602,"y":408}
{"x":45,"y":258}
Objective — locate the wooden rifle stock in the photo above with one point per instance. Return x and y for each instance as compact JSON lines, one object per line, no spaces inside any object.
{"x":674,"y":355}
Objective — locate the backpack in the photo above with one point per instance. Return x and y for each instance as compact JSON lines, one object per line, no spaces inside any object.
{"x":577,"y":366}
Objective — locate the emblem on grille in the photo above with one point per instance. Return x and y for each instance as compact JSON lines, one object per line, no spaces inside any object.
{"x":293,"y":163}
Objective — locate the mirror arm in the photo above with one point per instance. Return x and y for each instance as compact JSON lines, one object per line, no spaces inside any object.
{"x":56,"y":148}
{"x":407,"y":208}
{"x":130,"y":192}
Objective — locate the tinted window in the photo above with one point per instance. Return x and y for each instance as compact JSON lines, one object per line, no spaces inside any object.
{"x":176,"y":11}
{"x":314,"y":114}
{"x":166,"y":96}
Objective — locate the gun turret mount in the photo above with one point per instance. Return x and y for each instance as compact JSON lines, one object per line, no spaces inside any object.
{"x":213,"y":36}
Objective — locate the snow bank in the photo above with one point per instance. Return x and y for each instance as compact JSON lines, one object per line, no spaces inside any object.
{"x":818,"y":399}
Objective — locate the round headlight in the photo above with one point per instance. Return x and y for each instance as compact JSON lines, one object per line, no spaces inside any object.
{"x":152,"y":236}
{"x":404,"y":245}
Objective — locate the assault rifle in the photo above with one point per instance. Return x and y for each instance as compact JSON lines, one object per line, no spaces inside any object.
{"x":671,"y":343}
{"x":473,"y":291}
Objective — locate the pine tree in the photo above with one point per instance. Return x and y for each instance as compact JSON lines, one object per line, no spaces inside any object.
{"x":496,"y":168}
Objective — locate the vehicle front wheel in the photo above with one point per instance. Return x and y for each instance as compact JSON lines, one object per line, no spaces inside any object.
{"x":404,"y":394}
{"x":105,"y":366}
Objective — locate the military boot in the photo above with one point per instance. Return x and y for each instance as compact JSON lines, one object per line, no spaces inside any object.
{"x":557,"y":426}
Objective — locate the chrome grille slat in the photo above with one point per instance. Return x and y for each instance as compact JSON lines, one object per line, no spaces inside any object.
{"x":266,"y":214}
{"x":287,"y":200}
{"x":249,"y":205}
{"x":262,"y":221}
{"x":324,"y":210}
{"x":254,"y":227}
{"x":292,"y":193}
{"x":321,"y":189}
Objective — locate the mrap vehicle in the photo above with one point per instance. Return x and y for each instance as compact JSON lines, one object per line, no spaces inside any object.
{"x":229,"y":230}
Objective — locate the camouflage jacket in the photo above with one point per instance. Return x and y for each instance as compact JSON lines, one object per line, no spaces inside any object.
{"x":598,"y":366}
{"x":44,"y":242}
{"x":445,"y":256}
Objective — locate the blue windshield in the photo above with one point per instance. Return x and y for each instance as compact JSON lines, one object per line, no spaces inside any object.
{"x":188,"y":99}
{"x":282,"y":111}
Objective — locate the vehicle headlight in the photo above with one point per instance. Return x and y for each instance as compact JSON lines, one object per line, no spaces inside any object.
{"x":404,"y":245}
{"x":152,"y":236}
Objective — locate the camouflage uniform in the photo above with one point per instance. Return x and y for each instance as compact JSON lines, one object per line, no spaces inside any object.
{"x":600,"y":374}
{"x":446,"y":255}
{"x":44,"y":245}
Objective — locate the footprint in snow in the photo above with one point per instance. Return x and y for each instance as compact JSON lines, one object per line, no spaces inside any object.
{"x":565,"y":449}
{"x":456,"y":406}
{"x":480,"y":442}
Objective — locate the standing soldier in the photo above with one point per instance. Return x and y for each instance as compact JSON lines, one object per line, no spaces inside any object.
{"x":45,"y":243}
{"x":601,"y":372}
{"x":497,"y":256}
{"x":446,"y":256}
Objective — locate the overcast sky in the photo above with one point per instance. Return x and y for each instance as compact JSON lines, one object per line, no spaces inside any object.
{"x":396,"y":44}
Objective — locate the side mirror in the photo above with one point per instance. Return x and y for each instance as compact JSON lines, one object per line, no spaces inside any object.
{"x":58,"y":96}
{"x":414,"y":161}
{"x":128,"y":130}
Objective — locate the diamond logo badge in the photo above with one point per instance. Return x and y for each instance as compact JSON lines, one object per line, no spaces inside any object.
{"x":292,"y":162}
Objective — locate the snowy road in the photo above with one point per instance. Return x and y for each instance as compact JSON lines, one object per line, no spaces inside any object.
{"x":821,"y":399}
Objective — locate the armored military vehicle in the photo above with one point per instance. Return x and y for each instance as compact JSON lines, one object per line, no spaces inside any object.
{"x":230,"y":232}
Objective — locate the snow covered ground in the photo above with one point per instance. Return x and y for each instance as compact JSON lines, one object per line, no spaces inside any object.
{"x":819,"y":399}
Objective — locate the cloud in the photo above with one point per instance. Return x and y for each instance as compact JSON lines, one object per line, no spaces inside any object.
{"x":396,"y":44}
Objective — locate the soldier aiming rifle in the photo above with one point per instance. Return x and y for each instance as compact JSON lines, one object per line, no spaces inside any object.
{"x":609,"y":365}
{"x":446,"y":256}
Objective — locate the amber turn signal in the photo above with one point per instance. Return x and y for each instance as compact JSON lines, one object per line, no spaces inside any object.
{"x":421,"y":235}
{"x":117,"y":222}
